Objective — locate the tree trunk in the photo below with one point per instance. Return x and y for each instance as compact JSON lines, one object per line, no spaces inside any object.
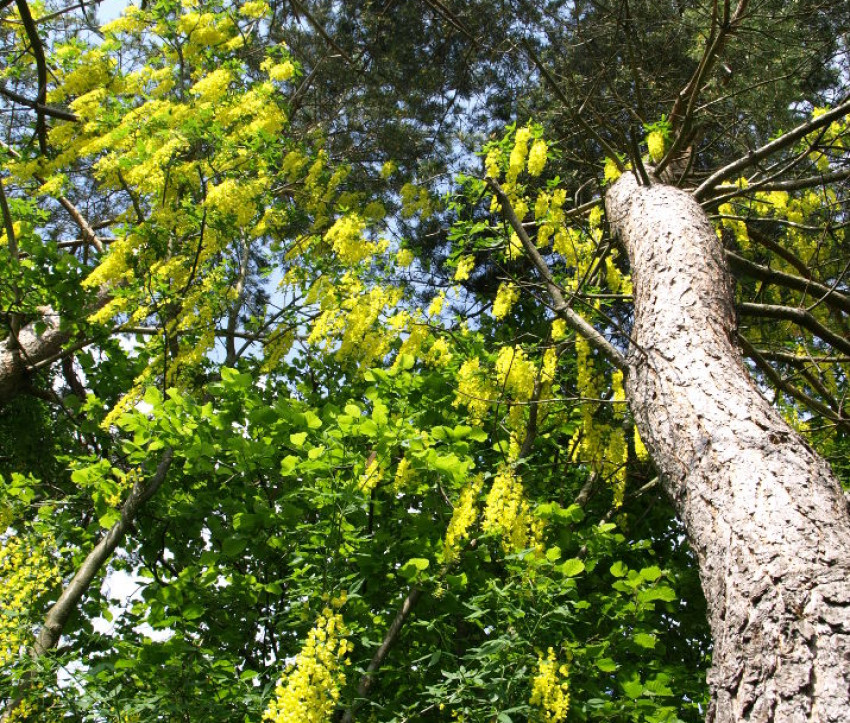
{"x":31,"y":348}
{"x":763,"y":512}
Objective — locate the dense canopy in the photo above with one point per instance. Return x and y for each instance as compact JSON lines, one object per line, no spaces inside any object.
{"x":321,"y":355}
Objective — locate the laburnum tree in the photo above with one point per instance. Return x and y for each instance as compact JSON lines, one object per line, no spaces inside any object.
{"x":297,"y":426}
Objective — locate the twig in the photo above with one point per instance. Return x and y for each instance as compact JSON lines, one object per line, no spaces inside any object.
{"x":830,"y":296}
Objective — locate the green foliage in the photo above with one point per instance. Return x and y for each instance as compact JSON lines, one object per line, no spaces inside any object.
{"x":338,"y":451}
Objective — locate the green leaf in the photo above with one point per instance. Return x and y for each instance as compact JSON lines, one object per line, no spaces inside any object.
{"x":571,"y":567}
{"x":662,"y":592}
{"x":645,"y":640}
{"x":232,"y":546}
{"x":298,"y":438}
{"x":619,"y":569}
{"x":193,"y":611}
{"x":553,"y":553}
{"x":313,"y":421}
{"x":109,"y":518}
{"x":606,"y":665}
{"x":288,"y":464}
{"x":632,"y":688}
{"x":414,"y":566}
{"x":651,"y":574}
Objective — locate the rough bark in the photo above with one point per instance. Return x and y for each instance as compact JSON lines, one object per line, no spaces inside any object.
{"x":31,"y":348}
{"x":763,"y":512}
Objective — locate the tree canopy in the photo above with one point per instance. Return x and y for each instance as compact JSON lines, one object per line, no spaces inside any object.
{"x":313,"y":346}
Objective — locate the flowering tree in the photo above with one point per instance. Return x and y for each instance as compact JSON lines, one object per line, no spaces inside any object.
{"x":351,"y":476}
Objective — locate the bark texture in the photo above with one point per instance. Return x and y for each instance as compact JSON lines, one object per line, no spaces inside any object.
{"x":31,"y":348}
{"x":763,"y":512}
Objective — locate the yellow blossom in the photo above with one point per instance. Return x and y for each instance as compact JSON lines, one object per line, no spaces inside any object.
{"x":515,"y":372}
{"x":465,"y":264}
{"x":506,"y":297}
{"x":559,"y":329}
{"x":404,"y":257}
{"x":436,"y":305}
{"x":370,"y":477}
{"x":282,"y":71}
{"x":655,"y":145}
{"x":254,"y":9}
{"x":537,"y":157}
{"x":550,"y":689}
{"x":310,"y":688}
{"x":611,"y":172}
{"x":463,"y":517}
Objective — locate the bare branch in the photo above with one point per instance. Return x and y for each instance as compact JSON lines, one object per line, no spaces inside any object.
{"x":790,"y":389}
{"x":830,"y":296}
{"x":801,"y":317}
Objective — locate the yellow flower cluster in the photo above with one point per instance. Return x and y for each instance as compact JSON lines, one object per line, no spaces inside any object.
{"x":463,"y":517}
{"x":436,"y":305}
{"x":439,"y":354}
{"x":506,"y":297}
{"x":28,"y":569}
{"x":464,"y":268}
{"x":350,"y":317}
{"x":640,"y":448}
{"x":404,"y":475}
{"x":213,"y":86}
{"x":655,"y":145}
{"x":370,"y":477}
{"x":309,"y":690}
{"x":737,"y":226}
{"x":515,"y":372}
{"x":516,"y":162}
{"x":588,"y":433}
{"x":507,"y":512}
{"x":559,"y":329}
{"x":346,"y":238}
{"x":492,"y":162}
{"x":280,"y":72}
{"x":611,"y":172}
{"x":537,"y":157}
{"x":550,"y":689}
{"x":473,"y":390}
{"x":254,"y":9}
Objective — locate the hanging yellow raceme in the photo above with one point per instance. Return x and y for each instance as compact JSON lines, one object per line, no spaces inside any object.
{"x":309,"y":690}
{"x":550,"y":690}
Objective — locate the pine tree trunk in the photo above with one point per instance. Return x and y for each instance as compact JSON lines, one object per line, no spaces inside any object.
{"x":763,"y":512}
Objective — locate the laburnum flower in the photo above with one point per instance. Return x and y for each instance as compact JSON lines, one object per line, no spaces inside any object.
{"x":550,"y":688}
{"x":537,"y":157}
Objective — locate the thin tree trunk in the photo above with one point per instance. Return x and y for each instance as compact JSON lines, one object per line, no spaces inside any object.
{"x":763,"y":512}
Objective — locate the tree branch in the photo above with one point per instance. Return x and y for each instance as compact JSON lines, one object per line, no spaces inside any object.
{"x":48,"y":110}
{"x":798,"y":394}
{"x":381,"y":653}
{"x":800,"y":317}
{"x":830,"y":296}
{"x":41,"y":71}
{"x":559,"y":306}
{"x":57,"y":616}
{"x":780,"y":143}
